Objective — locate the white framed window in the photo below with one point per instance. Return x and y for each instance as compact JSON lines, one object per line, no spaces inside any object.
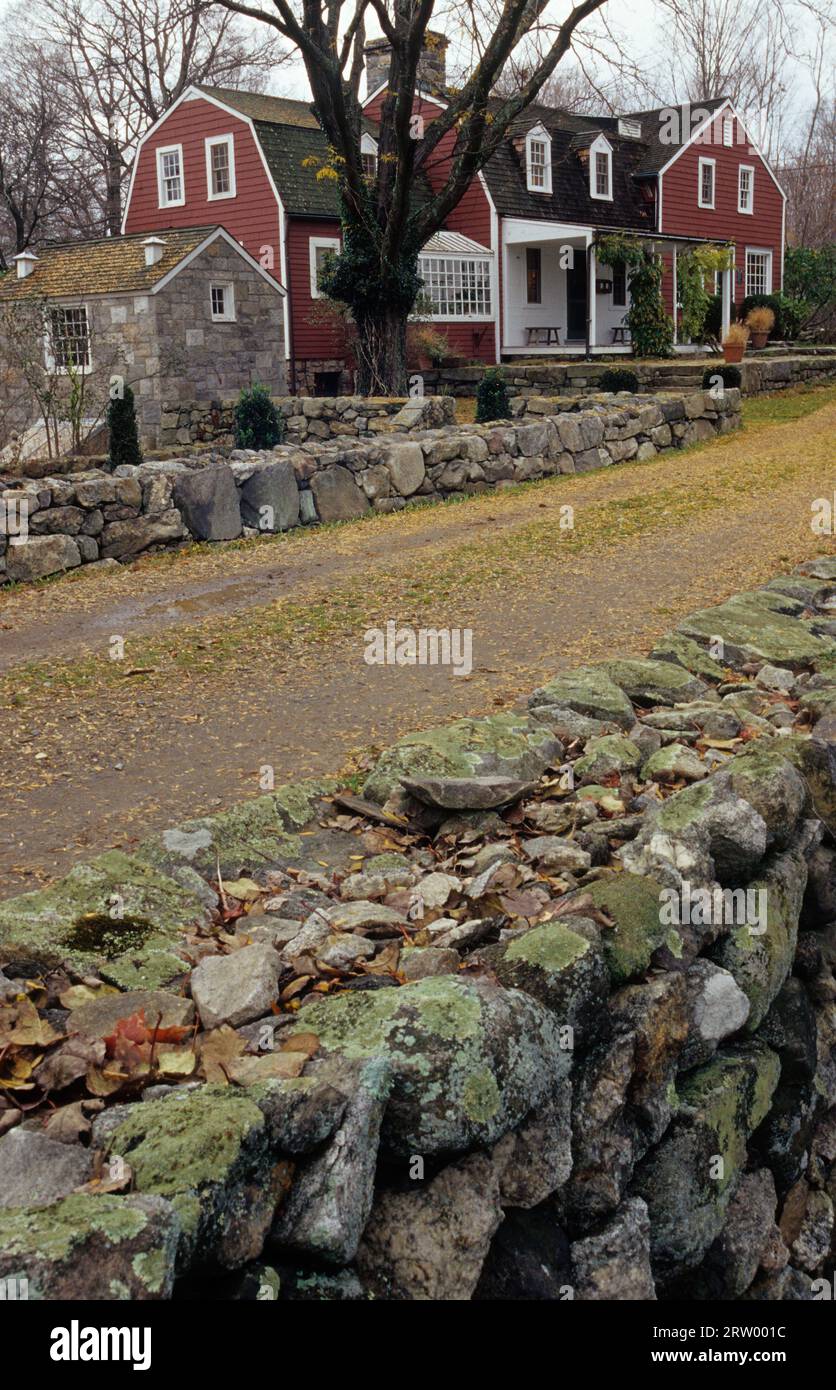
{"x":171,"y":185}
{"x":319,"y":247}
{"x":368,"y":155}
{"x":459,"y":287}
{"x":600,"y":170}
{"x":68,"y":339}
{"x":538,"y":160}
{"x":728,"y":130}
{"x":746,"y":188}
{"x":758,"y":271}
{"x":220,"y":167}
{"x":705,"y":183}
{"x":222,"y":301}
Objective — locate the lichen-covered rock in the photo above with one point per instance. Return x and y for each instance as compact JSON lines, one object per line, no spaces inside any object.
{"x":604,"y":756}
{"x":750,"y":630}
{"x":717,"y":1009}
{"x":561,"y":968}
{"x":654,"y":682}
{"x":301,"y":1111}
{"x":688,"y":1179}
{"x":208,"y":1154}
{"x":466,"y":793}
{"x":589,"y":691}
{"x":431,"y":1243}
{"x":615,"y":1264}
{"x":246,"y":839}
{"x":508,"y":744}
{"x":603,"y":1139}
{"x":117,"y":916}
{"x":98,"y":1017}
{"x":765,"y":777}
{"x":36,"y":1170}
{"x":331,"y":1196}
{"x":469,"y":1060}
{"x":749,"y":1233}
{"x":673,"y":761}
{"x":656,"y":1013}
{"x":702,"y":834}
{"x":534,"y":1160}
{"x":759,"y":954}
{"x":634,"y":903}
{"x":92,"y":1247}
{"x":689,"y":654}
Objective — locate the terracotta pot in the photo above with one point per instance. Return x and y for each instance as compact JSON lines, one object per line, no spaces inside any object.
{"x":733,"y":352}
{"x":759,"y":340}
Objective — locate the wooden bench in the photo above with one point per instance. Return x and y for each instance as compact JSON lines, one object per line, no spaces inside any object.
{"x":620,"y":334}
{"x":552,"y":336}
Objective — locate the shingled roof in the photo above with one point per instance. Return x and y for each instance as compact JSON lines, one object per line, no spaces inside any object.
{"x":108,"y":265}
{"x":653,"y":123}
{"x":259,"y":107}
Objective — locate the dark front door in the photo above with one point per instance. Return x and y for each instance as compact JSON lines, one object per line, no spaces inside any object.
{"x":576,"y":298}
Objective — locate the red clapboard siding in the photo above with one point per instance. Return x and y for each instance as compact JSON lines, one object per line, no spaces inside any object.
{"x":681,"y":214}
{"x":311,"y":337}
{"x":252,"y":216}
{"x":471,"y":218}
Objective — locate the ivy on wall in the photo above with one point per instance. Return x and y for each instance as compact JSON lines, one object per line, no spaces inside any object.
{"x":693,"y":268}
{"x":651,"y":329}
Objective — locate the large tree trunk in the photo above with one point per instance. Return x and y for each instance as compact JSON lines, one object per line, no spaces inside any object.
{"x":381,"y":353}
{"x":113,"y":194}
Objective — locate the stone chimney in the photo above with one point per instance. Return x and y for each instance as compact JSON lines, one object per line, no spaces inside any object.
{"x":154,"y":247}
{"x":25,"y":263}
{"x":432,"y":65}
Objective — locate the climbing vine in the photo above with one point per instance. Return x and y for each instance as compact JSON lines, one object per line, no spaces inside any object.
{"x":693,"y":268}
{"x":651,"y":329}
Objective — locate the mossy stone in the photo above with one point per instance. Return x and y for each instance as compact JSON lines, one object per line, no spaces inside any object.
{"x":634,"y":903}
{"x":613,"y":753}
{"x":588,"y":690}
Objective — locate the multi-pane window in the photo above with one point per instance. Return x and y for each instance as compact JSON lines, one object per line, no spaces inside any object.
{"x":69,"y":346}
{"x":369,"y":162}
{"x":458,"y":286}
{"x":745,"y":188}
{"x":220,"y":174}
{"x":602,"y":174}
{"x":758,"y":272}
{"x":222,"y":301}
{"x":170,"y":171}
{"x":706,"y":183}
{"x":537,"y":164}
{"x":320,"y":248}
{"x":533,"y":275}
{"x":619,"y":284}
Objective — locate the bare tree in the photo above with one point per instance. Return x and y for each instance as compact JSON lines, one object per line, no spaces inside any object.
{"x":121,"y":65}
{"x":29,"y":127}
{"x":384,"y":225}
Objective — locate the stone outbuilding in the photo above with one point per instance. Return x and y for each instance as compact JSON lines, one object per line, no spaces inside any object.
{"x":185,"y":313}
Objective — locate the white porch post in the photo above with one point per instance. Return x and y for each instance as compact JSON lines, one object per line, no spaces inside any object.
{"x":591,"y":297}
{"x":675,"y":297}
{"x":727,"y":299}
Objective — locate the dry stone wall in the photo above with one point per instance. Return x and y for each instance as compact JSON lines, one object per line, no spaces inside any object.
{"x":570,"y":1034}
{"x":219,"y":495}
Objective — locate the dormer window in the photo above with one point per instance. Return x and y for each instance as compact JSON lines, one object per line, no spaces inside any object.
{"x":600,"y":169}
{"x":368,"y":155}
{"x":538,"y":160}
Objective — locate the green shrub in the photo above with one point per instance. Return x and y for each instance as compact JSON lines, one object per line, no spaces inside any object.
{"x":789,"y":313}
{"x":619,"y":379}
{"x":730,"y":374}
{"x":258,"y":424}
{"x":121,"y":424}
{"x":492,"y":401}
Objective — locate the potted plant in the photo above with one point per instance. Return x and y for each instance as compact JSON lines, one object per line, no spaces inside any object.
{"x":735,"y":339}
{"x":760,"y":322}
{"x":426,"y":346}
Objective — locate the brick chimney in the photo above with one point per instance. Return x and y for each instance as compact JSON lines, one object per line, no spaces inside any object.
{"x":432,"y":65}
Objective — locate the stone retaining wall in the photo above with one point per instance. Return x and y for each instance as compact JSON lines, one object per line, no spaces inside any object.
{"x":215,"y":496}
{"x":545,"y":378}
{"x":314,"y":417}
{"x":571,"y":1035}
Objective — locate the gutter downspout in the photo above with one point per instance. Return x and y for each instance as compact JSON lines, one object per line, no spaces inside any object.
{"x":290,"y":345}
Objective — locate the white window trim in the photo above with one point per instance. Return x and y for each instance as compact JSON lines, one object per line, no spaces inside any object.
{"x":229,"y":141}
{"x":702,"y":161}
{"x":330,"y":243}
{"x":750,"y":169}
{"x":229,"y":290}
{"x":462,"y":318}
{"x":368,"y":146}
{"x":49,"y":360}
{"x":541,"y":135}
{"x":174,"y":202}
{"x":758,"y":251}
{"x":600,"y":146}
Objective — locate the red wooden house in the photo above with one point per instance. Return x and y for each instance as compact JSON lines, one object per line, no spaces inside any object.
{"x":514,"y":272}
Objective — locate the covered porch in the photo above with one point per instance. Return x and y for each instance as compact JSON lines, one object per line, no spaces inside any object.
{"x":560,"y":300}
